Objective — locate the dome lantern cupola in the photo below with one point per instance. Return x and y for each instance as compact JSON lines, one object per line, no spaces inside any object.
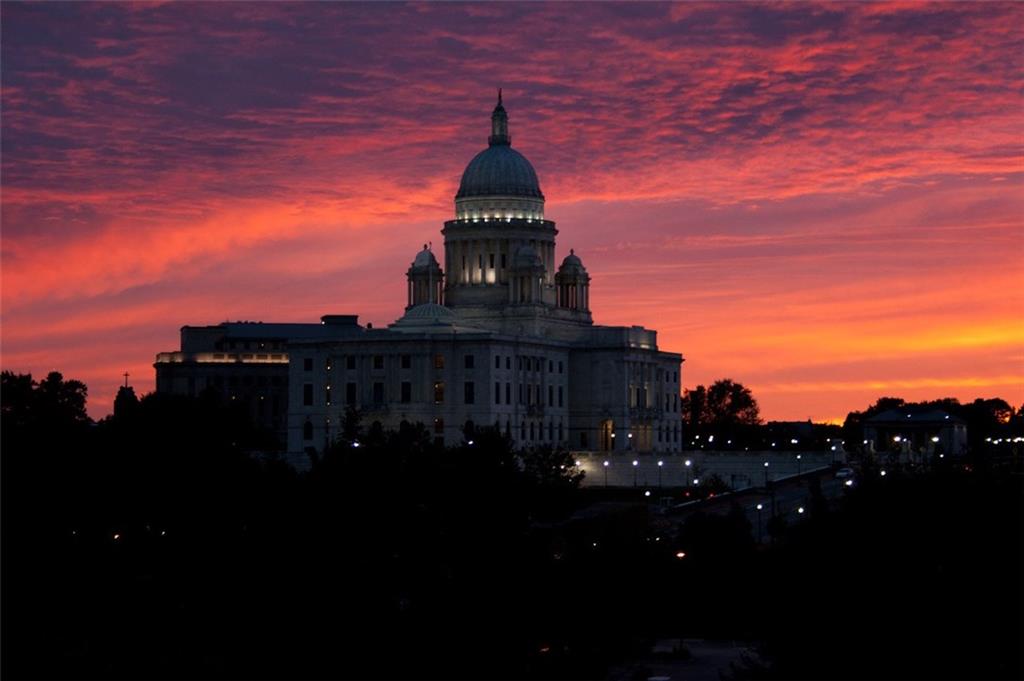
{"x":499,"y":125}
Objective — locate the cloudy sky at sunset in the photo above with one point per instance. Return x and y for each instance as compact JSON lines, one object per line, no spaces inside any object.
{"x":823,"y":202}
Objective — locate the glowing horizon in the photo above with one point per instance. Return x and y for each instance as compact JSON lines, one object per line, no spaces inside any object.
{"x":822,"y":202}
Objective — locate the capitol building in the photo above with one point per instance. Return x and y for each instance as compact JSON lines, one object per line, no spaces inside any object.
{"x":500,"y":336}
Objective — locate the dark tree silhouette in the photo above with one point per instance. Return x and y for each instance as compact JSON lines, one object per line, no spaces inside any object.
{"x":724,"y":404}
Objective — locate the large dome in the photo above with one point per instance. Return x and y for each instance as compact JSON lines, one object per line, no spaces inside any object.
{"x":499,"y":170}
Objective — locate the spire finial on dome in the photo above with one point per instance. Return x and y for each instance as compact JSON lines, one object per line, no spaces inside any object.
{"x":572,"y":252}
{"x":499,"y":125}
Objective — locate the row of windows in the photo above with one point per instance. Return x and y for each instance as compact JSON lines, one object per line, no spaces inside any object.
{"x":638,"y":398}
{"x":469,"y":362}
{"x":528,"y":394}
{"x":234,"y":381}
{"x":249,"y":345}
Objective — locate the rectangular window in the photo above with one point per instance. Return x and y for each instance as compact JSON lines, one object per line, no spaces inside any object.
{"x":307,"y":364}
{"x":519,"y":363}
{"x":551,"y":367}
{"x":378,"y":361}
{"x":307,"y":394}
{"x":492,"y":261}
{"x":438,"y":392}
{"x":504,"y":260}
{"x":406,"y":361}
{"x":350,"y":362}
{"x":508,"y":393}
{"x":520,"y":393}
{"x":438,"y":425}
{"x":559,"y":397}
{"x":469,"y":361}
{"x":350,"y":393}
{"x":559,"y":366}
{"x":508,"y":362}
{"x":469,"y":393}
{"x":551,"y":395}
{"x":378,"y":393}
{"x":406,"y":392}
{"x":439,"y":361}
{"x":497,"y":361}
{"x":497,"y":393}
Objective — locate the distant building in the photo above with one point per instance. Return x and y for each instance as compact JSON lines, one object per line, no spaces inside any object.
{"x":500,"y":337}
{"x":910,"y":432}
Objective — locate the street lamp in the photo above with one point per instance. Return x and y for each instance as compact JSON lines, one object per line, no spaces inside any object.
{"x":635,"y":464}
{"x":606,"y":474}
{"x":799,"y":464}
{"x":759,"y":507}
{"x":660,"y":464}
{"x":688,"y":463}
{"x":765,"y":473}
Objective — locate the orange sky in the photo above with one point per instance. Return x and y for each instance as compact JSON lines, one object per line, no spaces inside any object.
{"x":823,"y":202}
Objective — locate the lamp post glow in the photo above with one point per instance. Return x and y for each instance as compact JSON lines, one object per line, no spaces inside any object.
{"x":765,"y":473}
{"x":799,"y":464}
{"x":606,"y":474}
{"x":688,"y":463}
{"x":660,"y":464}
{"x":635,"y":464}
{"x":759,"y":507}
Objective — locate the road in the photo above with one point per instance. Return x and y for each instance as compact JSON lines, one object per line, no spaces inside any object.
{"x":790,"y":494}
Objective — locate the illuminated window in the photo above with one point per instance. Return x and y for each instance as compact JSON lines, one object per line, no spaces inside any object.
{"x":438,"y":392}
{"x":439,"y":361}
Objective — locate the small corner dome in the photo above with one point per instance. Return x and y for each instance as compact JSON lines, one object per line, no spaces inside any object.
{"x":527,"y":257}
{"x":425,"y":258}
{"x":571,"y":263}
